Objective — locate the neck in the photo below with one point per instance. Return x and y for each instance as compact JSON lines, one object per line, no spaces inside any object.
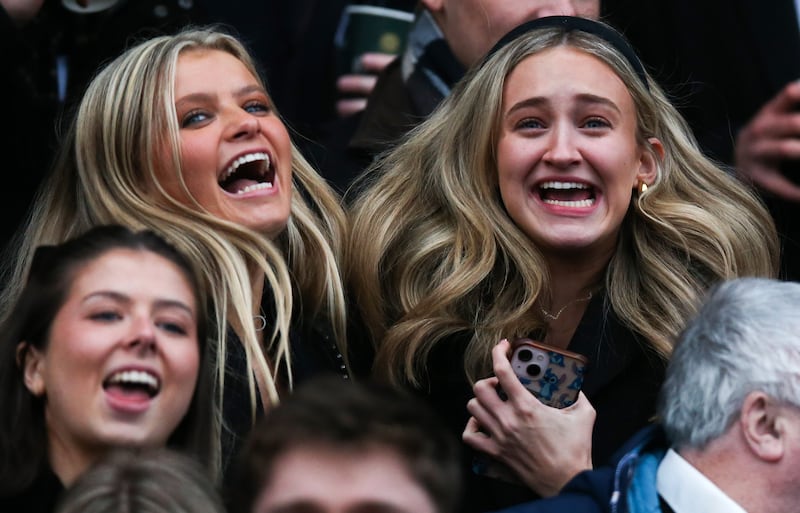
{"x":573,"y":280}
{"x":573,"y":277}
{"x":750,"y":482}
{"x":68,"y":462}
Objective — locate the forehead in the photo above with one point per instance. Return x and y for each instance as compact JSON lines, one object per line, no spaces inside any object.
{"x":201,"y":68}
{"x":132,"y":270}
{"x":564,"y":72}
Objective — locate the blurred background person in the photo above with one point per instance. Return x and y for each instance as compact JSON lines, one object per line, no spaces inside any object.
{"x":144,"y":481}
{"x":337,"y":446}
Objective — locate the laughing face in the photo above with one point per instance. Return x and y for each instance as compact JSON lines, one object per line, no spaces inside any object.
{"x":122,"y":358}
{"x":568,"y":158}
{"x":235,"y":152}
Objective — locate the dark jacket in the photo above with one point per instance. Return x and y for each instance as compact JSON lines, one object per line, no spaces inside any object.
{"x":628,"y":485}
{"x":622,"y":384}
{"x":313,"y":351}
{"x":41,"y":497}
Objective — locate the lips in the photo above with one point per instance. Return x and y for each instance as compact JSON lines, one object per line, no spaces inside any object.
{"x":248,"y":172}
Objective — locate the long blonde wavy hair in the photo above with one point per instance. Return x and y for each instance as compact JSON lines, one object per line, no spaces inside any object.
{"x":433,"y":252}
{"x":106,"y":173}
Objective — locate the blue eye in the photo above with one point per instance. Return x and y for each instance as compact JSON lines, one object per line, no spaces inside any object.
{"x":596,"y":123}
{"x":531,"y":123}
{"x":194,"y":117}
{"x":256,"y":107}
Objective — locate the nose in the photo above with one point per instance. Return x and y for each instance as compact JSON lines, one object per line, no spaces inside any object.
{"x":562,"y":148}
{"x":242,"y":125}
{"x":142,"y":336}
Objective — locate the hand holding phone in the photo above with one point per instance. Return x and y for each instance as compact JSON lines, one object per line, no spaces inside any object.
{"x":522,"y":440}
{"x":553,"y":375}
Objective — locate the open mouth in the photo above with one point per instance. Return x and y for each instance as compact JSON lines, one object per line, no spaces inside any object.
{"x":567,"y":194}
{"x":247,"y":173}
{"x":133,"y":383}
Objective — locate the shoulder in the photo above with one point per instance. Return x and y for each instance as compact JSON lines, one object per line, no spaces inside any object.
{"x":40,"y":497}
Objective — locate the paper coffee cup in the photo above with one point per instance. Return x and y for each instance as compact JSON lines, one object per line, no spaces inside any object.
{"x":366,"y":28}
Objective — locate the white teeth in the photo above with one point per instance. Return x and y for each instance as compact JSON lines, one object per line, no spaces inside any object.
{"x":264,"y":185}
{"x":135,"y":377}
{"x":573,"y":204}
{"x":563,"y":185}
{"x":250,"y":157}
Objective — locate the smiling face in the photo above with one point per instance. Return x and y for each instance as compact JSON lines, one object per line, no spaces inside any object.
{"x":472,"y":27}
{"x":235,"y":151}
{"x":122,"y":358}
{"x":567,"y":157}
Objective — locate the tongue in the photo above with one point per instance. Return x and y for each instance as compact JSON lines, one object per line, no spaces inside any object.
{"x":239,"y":184}
{"x":128,"y":393}
{"x":566,"y":194}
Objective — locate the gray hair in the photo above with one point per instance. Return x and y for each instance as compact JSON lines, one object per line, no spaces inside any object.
{"x":745,"y":338}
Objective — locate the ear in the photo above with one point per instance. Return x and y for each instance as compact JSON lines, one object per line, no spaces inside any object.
{"x":763,"y":426}
{"x":32,"y":362}
{"x":648,"y":163}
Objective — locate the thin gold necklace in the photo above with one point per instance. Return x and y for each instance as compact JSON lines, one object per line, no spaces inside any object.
{"x":558,"y":314}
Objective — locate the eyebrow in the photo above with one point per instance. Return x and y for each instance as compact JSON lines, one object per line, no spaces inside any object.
{"x":204,"y":97}
{"x":583,"y":99}
{"x":122,"y":298}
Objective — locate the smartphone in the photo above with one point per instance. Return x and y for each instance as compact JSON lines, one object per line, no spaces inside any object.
{"x":553,"y":375}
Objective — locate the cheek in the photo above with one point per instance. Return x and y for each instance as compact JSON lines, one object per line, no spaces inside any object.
{"x":185,"y":367}
{"x":279,"y":136}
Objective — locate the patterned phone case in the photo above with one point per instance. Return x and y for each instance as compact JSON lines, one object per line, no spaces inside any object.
{"x":554,"y":376}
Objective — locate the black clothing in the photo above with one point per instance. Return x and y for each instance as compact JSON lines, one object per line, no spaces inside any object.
{"x":622,"y":384}
{"x":720,"y":61}
{"x":313,"y":352}
{"x":46,"y":67}
{"x":41,"y":497}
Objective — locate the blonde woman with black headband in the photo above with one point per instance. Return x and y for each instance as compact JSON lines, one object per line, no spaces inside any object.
{"x":557,"y":195}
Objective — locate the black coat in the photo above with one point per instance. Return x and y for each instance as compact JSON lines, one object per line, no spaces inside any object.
{"x":41,"y":496}
{"x":622,"y":384}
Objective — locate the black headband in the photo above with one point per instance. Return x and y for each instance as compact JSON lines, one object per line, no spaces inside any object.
{"x":570,"y":23}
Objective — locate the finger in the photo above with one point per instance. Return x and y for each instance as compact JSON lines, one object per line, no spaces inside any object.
{"x":582,"y":406}
{"x":508,"y":381}
{"x":375,"y":62}
{"x":486,"y":419}
{"x":478,"y":439}
{"x":775,"y":148}
{"x":360,"y":85}
{"x":787,"y":98}
{"x":350,"y":106}
{"x":776,"y":183}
